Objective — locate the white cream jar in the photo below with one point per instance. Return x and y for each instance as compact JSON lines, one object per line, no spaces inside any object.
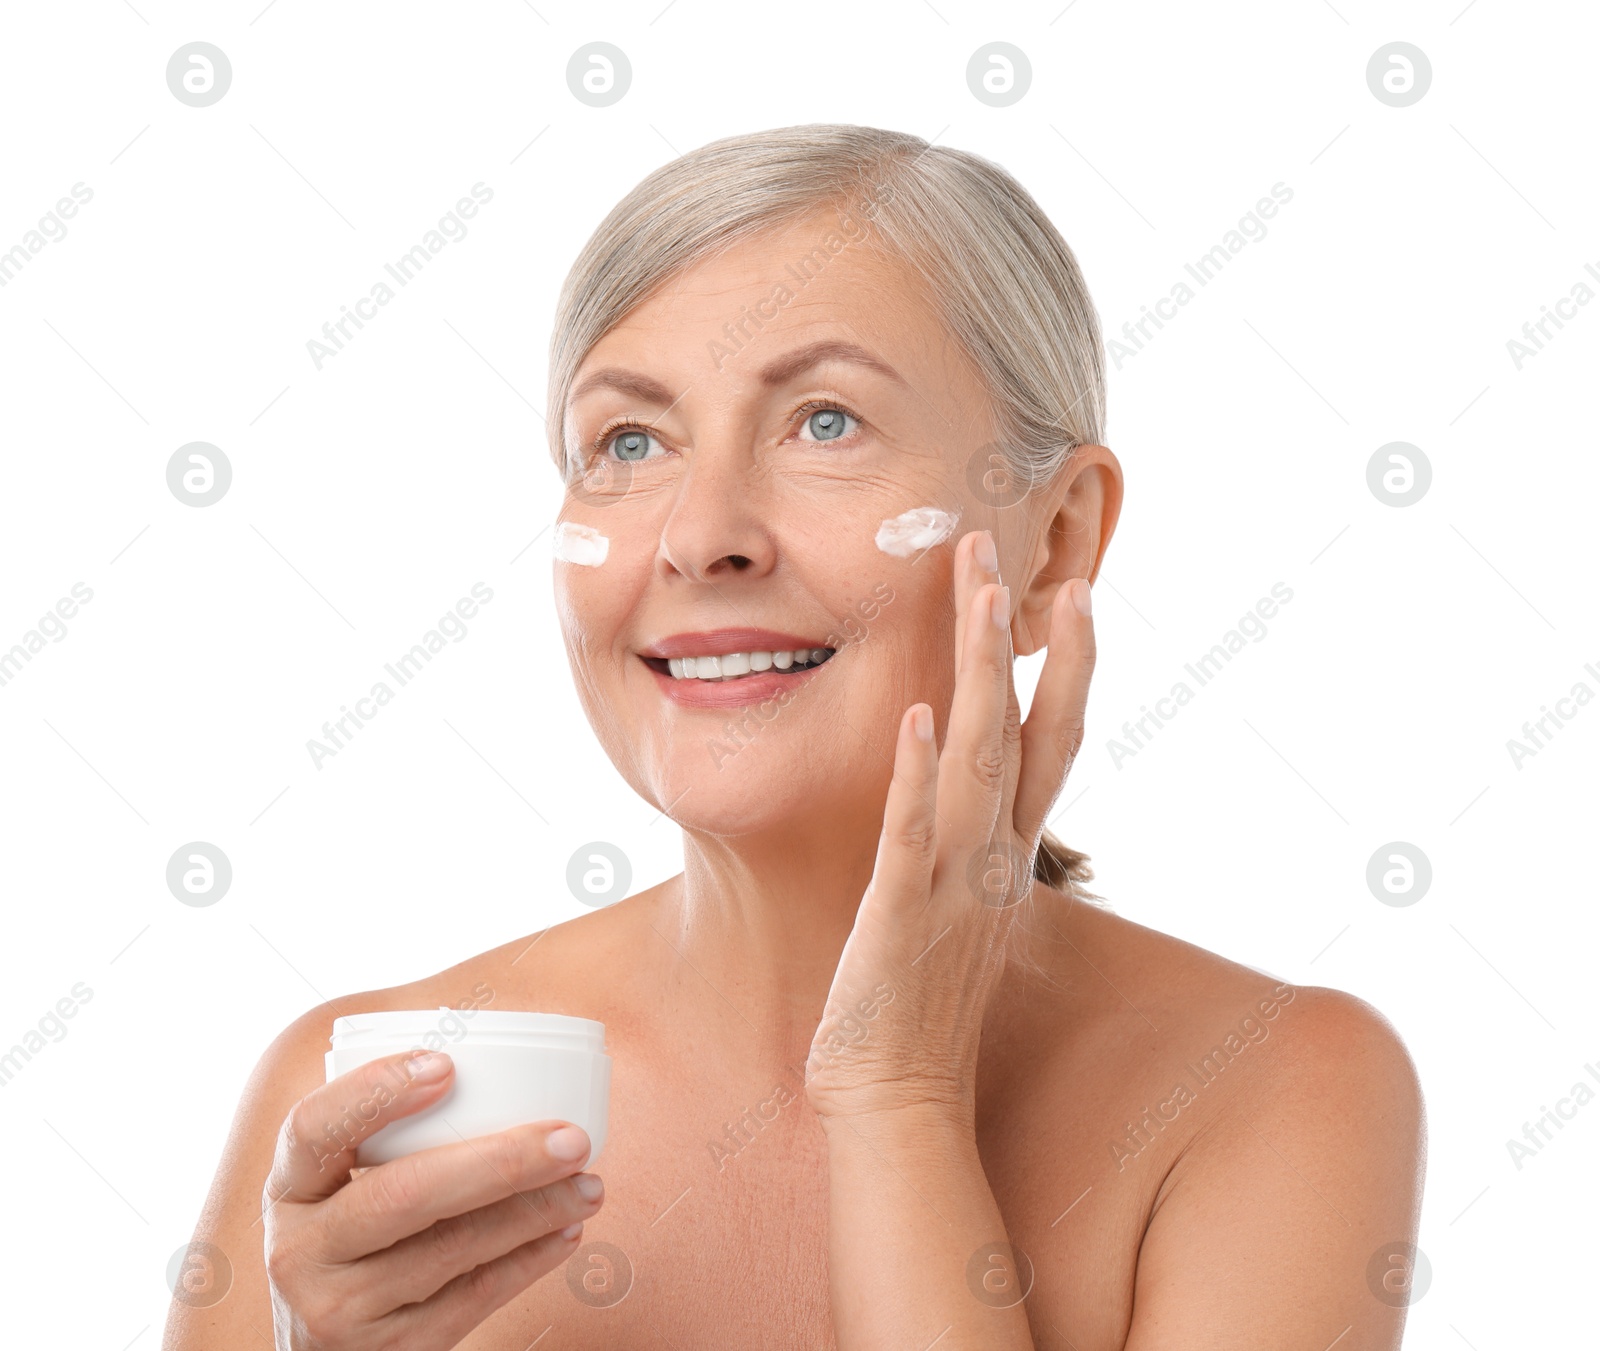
{"x":510,"y":1068}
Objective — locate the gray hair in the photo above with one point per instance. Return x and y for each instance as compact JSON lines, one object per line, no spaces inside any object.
{"x":1007,"y":286}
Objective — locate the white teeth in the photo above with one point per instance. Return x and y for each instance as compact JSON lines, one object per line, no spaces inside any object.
{"x":733,"y":665}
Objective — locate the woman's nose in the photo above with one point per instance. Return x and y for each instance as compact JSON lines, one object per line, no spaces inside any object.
{"x":716,"y":525}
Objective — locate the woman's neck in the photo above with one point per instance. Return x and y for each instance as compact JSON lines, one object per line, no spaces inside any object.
{"x":759,"y":924}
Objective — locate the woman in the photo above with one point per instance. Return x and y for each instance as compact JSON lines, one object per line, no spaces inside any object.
{"x":829,"y":403}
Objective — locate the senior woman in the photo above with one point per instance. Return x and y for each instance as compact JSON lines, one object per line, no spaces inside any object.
{"x":828,"y":402}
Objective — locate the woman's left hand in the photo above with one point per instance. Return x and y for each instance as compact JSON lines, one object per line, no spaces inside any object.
{"x":955,"y":860}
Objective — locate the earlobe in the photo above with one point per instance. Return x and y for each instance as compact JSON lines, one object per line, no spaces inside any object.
{"x":1030,"y":628}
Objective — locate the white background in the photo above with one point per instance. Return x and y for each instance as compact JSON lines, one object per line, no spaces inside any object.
{"x":369,"y":496}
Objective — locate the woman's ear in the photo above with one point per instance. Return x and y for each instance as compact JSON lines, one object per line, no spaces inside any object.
{"x":1081,"y":507}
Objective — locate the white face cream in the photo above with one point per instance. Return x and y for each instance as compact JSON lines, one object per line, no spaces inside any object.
{"x":915,"y":530}
{"x":581,"y":545}
{"x":510,"y":1068}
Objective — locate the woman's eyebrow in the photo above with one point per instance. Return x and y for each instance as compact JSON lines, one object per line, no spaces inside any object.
{"x":777,"y":372}
{"x":802,"y":359}
{"x":640,"y":387}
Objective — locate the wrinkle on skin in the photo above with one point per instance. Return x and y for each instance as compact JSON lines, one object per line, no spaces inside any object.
{"x":735,"y":519}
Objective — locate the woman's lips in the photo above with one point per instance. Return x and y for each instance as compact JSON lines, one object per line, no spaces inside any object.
{"x":755,"y":688}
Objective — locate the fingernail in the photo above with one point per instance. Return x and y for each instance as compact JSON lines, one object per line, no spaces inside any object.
{"x":922,"y":723}
{"x":1000,"y":607}
{"x":1083,"y":599}
{"x":572,"y":1231}
{"x":428,"y":1068}
{"x":589,"y":1186}
{"x":984,"y":552}
{"x":568,"y":1143}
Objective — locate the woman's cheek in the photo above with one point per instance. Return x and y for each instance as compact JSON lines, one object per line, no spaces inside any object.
{"x":581,"y":602}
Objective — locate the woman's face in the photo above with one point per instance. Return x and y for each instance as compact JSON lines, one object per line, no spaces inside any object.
{"x":747,"y":432}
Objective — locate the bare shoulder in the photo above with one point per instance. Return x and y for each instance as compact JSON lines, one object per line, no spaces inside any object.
{"x":1276,"y":1132}
{"x":1174,"y":995}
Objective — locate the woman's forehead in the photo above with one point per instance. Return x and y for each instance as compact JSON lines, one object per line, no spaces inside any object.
{"x":758,"y":286}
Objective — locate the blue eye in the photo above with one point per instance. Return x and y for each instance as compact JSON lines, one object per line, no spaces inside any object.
{"x":828,"y":423}
{"x":630,"y":445}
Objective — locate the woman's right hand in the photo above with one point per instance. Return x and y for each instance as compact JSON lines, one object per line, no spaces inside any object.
{"x":416,"y":1252}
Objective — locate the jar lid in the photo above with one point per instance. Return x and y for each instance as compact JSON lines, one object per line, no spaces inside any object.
{"x":403,"y":1024}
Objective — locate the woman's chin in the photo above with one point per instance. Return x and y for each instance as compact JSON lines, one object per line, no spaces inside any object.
{"x":753,"y":791}
{"x":745,"y":747}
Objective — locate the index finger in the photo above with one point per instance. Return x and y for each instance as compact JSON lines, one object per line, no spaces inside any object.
{"x":318,"y":1140}
{"x":976,"y":562}
{"x":975,"y":766}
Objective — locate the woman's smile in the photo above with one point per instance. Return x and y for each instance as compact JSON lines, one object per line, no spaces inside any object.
{"x":728,"y":668}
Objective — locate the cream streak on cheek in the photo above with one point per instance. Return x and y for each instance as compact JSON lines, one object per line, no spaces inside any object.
{"x":912,"y":531}
{"x":581,"y":545}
